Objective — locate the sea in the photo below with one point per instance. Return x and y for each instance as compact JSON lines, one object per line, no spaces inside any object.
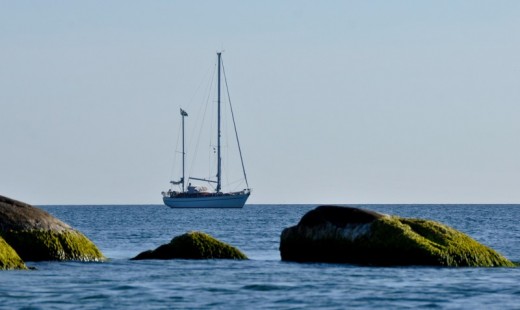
{"x":263,"y":281}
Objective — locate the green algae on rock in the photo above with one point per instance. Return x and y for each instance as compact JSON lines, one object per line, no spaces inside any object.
{"x":47,"y":245}
{"x":9,"y":259}
{"x":193,"y":245}
{"x":36,"y":235}
{"x":356,"y":236}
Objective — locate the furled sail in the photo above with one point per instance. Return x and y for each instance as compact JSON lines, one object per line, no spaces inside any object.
{"x":177,"y":182}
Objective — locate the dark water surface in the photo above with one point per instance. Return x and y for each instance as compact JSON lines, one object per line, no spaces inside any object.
{"x":122,"y":232}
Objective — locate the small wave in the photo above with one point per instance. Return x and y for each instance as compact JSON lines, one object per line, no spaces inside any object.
{"x":265,"y":287}
{"x":95,"y":297}
{"x":124,"y":287}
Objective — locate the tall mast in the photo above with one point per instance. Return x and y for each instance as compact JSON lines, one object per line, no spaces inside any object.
{"x":219,"y":160}
{"x":183,"y":114}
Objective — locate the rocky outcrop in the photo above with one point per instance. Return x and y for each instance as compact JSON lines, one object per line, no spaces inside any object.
{"x":36,"y":235}
{"x":193,"y":245}
{"x":9,"y":259}
{"x":356,"y":236}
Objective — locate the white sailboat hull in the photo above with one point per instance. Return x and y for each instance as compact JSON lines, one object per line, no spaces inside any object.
{"x":224,"y":201}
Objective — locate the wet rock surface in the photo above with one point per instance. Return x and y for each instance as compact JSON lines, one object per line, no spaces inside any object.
{"x":356,"y":236}
{"x":36,"y":235}
{"x":193,"y":245}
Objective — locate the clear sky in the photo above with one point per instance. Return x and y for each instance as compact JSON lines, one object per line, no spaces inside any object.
{"x":337,"y":101}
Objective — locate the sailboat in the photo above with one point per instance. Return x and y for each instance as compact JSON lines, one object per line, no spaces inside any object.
{"x":199,"y":196}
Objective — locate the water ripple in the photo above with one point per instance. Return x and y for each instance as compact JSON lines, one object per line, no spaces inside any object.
{"x":264,"y":282}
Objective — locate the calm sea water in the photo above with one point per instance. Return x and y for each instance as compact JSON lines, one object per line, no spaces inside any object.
{"x":263,"y":282}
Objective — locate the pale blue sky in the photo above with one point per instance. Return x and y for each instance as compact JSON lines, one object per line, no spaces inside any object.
{"x":337,"y":101}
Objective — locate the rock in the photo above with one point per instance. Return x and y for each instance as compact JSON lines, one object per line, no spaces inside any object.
{"x":37,"y":236}
{"x":193,"y":245}
{"x":356,"y":236}
{"x":9,"y":259}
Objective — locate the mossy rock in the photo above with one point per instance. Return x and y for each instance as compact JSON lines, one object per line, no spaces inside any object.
{"x":46,"y":245}
{"x":193,"y":245}
{"x":36,"y":235}
{"x":9,"y":259}
{"x":356,"y":236}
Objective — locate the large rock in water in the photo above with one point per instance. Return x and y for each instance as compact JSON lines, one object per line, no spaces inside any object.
{"x":193,"y":245}
{"x":37,"y":236}
{"x":9,"y":259}
{"x":356,"y":236}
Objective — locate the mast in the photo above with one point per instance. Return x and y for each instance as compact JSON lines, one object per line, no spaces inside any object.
{"x":219,"y":159}
{"x":183,"y":114}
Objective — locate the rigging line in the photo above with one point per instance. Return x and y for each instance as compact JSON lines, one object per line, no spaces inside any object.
{"x":208,"y":74}
{"x":236,"y":184}
{"x":207,"y":77}
{"x":202,"y":107}
{"x":234,"y":125}
{"x":211,"y":147}
{"x":208,"y":91}
{"x":172,"y":170}
{"x":224,"y":144}
{"x":176,"y":152}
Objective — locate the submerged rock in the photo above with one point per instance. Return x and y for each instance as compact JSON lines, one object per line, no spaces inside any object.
{"x":9,"y":259}
{"x":193,"y":245}
{"x":36,"y":235}
{"x":356,"y":236}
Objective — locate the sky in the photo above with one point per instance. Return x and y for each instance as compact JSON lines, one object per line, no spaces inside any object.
{"x":341,"y":102}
